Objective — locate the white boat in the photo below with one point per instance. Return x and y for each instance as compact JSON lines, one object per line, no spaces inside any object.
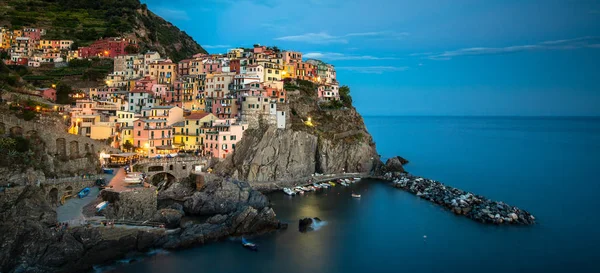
{"x":356,"y":195}
{"x":357,"y":179}
{"x":347,"y":180}
{"x":305,"y":188}
{"x":289,"y":191}
{"x":344,"y":184}
{"x":325,"y":185}
{"x":299,"y":190}
{"x":317,"y":185}
{"x":133,"y":178}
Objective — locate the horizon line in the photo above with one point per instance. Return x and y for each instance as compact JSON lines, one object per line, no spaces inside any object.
{"x":489,"y":116}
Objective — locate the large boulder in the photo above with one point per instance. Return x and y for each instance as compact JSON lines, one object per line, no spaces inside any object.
{"x":395,"y":164}
{"x":305,"y":224}
{"x":222,"y":196}
{"x":170,"y":217}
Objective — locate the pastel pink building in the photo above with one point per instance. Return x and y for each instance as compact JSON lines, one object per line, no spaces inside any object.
{"x":328,"y":92}
{"x":225,"y":108}
{"x":34,"y":34}
{"x":145,"y":83}
{"x":48,"y":93}
{"x":212,"y":67}
{"x":151,"y":136}
{"x":221,"y":139}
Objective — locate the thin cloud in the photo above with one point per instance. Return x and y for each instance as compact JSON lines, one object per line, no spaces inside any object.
{"x":373,"y":69}
{"x":333,"y":56}
{"x":567,"y":44}
{"x":314,"y":38}
{"x":216,"y":46}
{"x":326,"y":38}
{"x":173,"y":14}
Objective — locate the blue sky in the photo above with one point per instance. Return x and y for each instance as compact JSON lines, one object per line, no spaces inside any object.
{"x":427,"y":57}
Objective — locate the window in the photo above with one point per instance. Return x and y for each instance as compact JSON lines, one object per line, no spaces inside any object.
{"x":139,"y":134}
{"x":224,"y":138}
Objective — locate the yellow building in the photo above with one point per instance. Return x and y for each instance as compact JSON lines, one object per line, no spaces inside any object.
{"x":193,"y":132}
{"x":235,"y":53}
{"x":289,"y":71}
{"x":163,"y":72}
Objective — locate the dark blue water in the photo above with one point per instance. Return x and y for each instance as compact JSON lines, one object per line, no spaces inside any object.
{"x":544,"y":165}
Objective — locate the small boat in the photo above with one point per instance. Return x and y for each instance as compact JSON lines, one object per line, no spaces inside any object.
{"x":83,"y":193}
{"x":133,"y":178}
{"x":101,"y":206}
{"x":331,"y":183}
{"x":357,"y":179}
{"x":289,"y":191}
{"x":305,"y":188}
{"x":325,"y":185}
{"x":347,"y":180}
{"x":108,"y":171}
{"x":298,"y":190}
{"x":317,"y":185}
{"x":356,"y":195}
{"x":311,"y":188}
{"x":344,"y":184}
{"x":249,"y":245}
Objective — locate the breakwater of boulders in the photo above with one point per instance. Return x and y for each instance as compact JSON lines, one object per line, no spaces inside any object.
{"x":460,"y":202}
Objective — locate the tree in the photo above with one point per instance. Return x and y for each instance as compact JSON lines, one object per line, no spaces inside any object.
{"x":131,"y":49}
{"x":345,"y":96}
{"x":127,"y":146}
{"x":63,"y":92}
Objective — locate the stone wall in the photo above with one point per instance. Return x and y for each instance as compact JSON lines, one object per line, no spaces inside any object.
{"x":177,"y":167}
{"x":136,"y":205}
{"x":59,"y":153}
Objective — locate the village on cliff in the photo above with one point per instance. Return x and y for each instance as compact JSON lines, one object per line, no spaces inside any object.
{"x":155,"y":107}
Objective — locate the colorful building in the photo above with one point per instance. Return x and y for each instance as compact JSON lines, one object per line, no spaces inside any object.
{"x":107,"y":48}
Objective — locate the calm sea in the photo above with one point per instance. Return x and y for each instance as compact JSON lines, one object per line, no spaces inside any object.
{"x":545,"y":165}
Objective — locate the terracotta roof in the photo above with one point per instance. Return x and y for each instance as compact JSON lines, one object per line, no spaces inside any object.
{"x":197,"y":115}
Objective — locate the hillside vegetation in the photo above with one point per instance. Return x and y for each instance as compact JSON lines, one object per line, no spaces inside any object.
{"x":87,"y":20}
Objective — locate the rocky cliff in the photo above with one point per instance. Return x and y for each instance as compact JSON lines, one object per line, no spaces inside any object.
{"x":319,"y":139}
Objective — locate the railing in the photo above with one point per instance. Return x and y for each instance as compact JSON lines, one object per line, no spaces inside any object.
{"x":54,"y":181}
{"x":172,"y":160}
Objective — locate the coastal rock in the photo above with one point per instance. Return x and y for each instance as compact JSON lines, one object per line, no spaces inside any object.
{"x":305,"y":224}
{"x":170,"y":217}
{"x":221,"y":196}
{"x":395,"y":164}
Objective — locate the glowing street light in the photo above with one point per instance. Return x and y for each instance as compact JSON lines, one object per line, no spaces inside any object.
{"x":37,"y":108}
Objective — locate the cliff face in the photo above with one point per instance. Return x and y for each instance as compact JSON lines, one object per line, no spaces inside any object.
{"x":335,"y":141}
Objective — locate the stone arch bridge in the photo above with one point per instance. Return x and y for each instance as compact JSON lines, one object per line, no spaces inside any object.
{"x":178,"y":167}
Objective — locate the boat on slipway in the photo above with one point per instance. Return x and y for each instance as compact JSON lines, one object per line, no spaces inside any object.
{"x":289,"y":191}
{"x":83,"y":193}
{"x":133,"y":178}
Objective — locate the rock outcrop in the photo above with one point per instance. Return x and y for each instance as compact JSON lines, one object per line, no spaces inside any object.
{"x":334,"y":142}
{"x":395,"y":164}
{"x":218,"y":196}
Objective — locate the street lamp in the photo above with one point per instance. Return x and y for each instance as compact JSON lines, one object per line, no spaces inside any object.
{"x":147,"y":146}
